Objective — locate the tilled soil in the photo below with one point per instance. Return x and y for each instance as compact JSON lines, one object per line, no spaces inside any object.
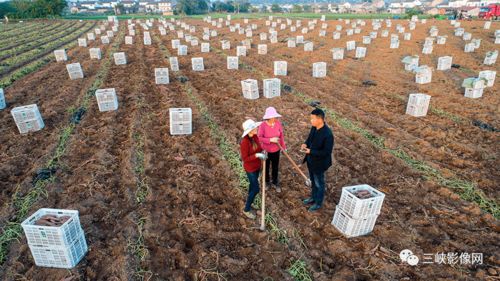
{"x":193,"y":227}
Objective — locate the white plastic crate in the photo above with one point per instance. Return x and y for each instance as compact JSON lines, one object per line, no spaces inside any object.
{"x":91,"y":36}
{"x":225,"y":45}
{"x":338,"y":53}
{"x":469,"y":48}
{"x":105,"y":40}
{"x":473,"y":93}
{"x":423,"y":75}
{"x":95,"y":53}
{"x":175,"y":43}
{"x":182,"y":50}
{"x":241,"y":51}
{"x":418,"y":104}
{"x":272,"y":87}
{"x":299,"y":39}
{"x":441,"y":40}
{"x":197,"y":64}
{"x":30,"y":125}
{"x":161,"y":76}
{"x":180,"y":115}
{"x":280,"y":68}
{"x":490,"y":58}
{"x":357,"y":208}
{"x":82,"y":42}
{"x":74,"y":70}
{"x":367,"y":40}
{"x":427,"y":50}
{"x":106,"y":99}
{"x":120,"y":58}
{"x":2,"y":99}
{"x":232,"y":62}
{"x":110,"y":33}
{"x":262,"y":49}
{"x":47,"y":236}
{"x":350,"y":45}
{"x":250,"y":89}
{"x":205,"y":47}
{"x":308,"y":46}
{"x":181,"y":128}
{"x":394,"y":44}
{"x":129,"y":40}
{"x":410,"y":62}
{"x":60,"y":55}
{"x":489,"y":76}
{"x":291,"y":43}
{"x":60,"y":256}
{"x":360,"y":52}
{"x":444,"y":63}
{"x":319,"y":70}
{"x":174,"y":63}
{"x":353,"y":227}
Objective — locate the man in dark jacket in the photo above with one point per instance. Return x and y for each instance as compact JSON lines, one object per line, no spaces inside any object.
{"x":318,"y":148}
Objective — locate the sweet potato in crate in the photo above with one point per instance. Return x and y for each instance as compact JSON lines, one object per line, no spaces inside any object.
{"x":358,"y":208}
{"x":43,"y":235}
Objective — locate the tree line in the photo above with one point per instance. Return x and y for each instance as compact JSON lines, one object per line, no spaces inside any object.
{"x":32,"y":8}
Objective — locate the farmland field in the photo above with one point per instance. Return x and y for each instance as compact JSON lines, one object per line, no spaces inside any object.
{"x":159,"y":207}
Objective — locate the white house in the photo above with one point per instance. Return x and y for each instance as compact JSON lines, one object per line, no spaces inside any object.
{"x":457,"y":3}
{"x":165,"y":6}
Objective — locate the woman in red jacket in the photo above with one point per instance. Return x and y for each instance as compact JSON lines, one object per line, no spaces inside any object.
{"x":251,"y":154}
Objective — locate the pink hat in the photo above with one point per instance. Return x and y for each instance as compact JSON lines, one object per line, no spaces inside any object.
{"x":271,"y":113}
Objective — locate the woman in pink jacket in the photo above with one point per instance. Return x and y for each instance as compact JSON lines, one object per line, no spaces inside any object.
{"x":270,"y":135}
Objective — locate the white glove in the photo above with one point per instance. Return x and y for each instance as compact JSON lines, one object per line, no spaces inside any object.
{"x":261,"y":156}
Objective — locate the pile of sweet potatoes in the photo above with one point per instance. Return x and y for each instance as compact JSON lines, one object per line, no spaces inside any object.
{"x":52,"y":220}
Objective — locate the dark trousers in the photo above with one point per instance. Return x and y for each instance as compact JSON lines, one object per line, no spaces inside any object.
{"x":317,"y":186}
{"x":253,"y":189}
{"x":273,"y":159}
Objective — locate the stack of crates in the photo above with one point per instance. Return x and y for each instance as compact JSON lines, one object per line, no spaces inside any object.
{"x":120,"y":58}
{"x":444,"y":63}
{"x":474,"y":87}
{"x":232,"y":62}
{"x":106,"y":99}
{"x":491,"y":57}
{"x":197,"y":64}
{"x":27,"y":118}
{"x":55,"y":246}
{"x":272,"y":87}
{"x":280,"y":68}
{"x":355,"y":216}
{"x":181,"y":121}
{"x":161,"y":76}
{"x":250,"y":89}
{"x":423,"y":74}
{"x":95,"y":53}
{"x":319,"y":69}
{"x":74,"y":71}
{"x":418,"y":104}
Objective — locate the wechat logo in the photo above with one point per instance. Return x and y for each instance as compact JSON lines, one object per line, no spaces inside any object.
{"x":408,"y":257}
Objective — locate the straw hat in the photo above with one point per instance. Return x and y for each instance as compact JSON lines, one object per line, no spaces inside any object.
{"x":249,"y":125}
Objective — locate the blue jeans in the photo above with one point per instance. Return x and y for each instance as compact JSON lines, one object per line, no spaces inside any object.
{"x":317,"y":186}
{"x":253,"y":189}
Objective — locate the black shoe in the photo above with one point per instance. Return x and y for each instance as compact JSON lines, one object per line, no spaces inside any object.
{"x":314,"y":207}
{"x":308,"y":201}
{"x":278,"y":188}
